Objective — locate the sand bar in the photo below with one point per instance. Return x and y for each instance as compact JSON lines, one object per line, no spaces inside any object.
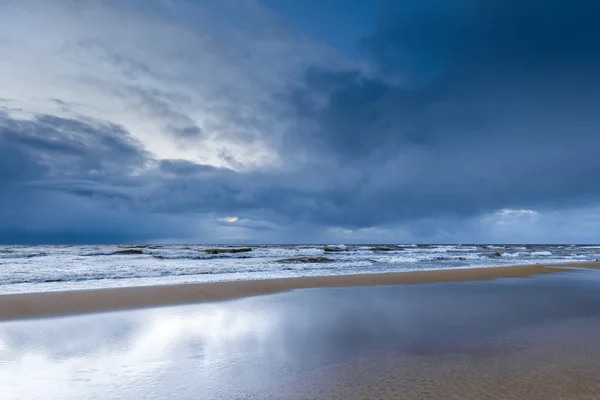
{"x":49,"y":304}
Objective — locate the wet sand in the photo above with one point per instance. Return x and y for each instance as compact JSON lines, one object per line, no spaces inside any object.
{"x":557,"y":362}
{"x":35,"y":305}
{"x":519,"y":338}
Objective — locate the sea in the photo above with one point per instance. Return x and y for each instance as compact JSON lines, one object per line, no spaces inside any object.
{"x":25,"y":269}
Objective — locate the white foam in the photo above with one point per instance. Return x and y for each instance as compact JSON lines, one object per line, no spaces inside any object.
{"x":39,"y":268}
{"x":540,"y":253}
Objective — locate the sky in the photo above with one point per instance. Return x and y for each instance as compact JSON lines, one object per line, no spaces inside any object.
{"x":279,"y":121}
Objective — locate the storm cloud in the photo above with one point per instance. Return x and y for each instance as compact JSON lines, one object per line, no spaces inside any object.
{"x":478,"y":106}
{"x":466,"y":121}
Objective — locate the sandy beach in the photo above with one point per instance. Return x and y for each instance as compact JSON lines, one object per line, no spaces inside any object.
{"x":35,"y":305}
{"x":458,"y":335}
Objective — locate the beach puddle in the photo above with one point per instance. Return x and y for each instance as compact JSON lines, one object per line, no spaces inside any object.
{"x":531,"y":338}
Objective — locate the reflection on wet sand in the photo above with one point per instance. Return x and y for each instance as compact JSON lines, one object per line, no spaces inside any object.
{"x":515,"y":338}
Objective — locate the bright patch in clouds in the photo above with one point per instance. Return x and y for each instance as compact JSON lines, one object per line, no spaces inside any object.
{"x":186,"y":79}
{"x":231,"y":219}
{"x":509,"y":212}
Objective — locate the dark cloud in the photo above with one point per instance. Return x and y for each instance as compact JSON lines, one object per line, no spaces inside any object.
{"x":77,"y":181}
{"x":437,"y":36}
{"x":479,"y":106}
{"x":473,"y":107}
{"x":68,"y":147}
{"x":190,"y":131}
{"x":66,"y":181}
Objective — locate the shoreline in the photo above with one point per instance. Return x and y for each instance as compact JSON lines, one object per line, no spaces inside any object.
{"x":55,"y":304}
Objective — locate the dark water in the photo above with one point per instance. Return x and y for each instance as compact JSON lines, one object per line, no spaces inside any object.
{"x":368,"y":342}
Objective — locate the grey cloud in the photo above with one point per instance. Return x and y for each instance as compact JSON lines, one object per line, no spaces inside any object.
{"x":129,"y":67}
{"x":68,"y":147}
{"x":68,"y":106}
{"x":183,"y":168}
{"x":188,"y":131}
{"x":78,"y":181}
{"x":162,"y":105}
{"x":475,"y":106}
{"x":62,"y":180}
{"x":17,"y":165}
{"x":158,"y":105}
{"x":480,"y":106}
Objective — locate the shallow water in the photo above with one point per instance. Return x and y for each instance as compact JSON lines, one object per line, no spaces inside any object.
{"x":509,"y":338}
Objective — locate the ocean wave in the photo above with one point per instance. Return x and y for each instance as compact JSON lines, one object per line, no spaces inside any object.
{"x":101,"y":277}
{"x":53,"y":265}
{"x":191,"y":253}
{"x":540,"y":253}
{"x":26,"y":255}
{"x":200,"y":256}
{"x":98,"y":254}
